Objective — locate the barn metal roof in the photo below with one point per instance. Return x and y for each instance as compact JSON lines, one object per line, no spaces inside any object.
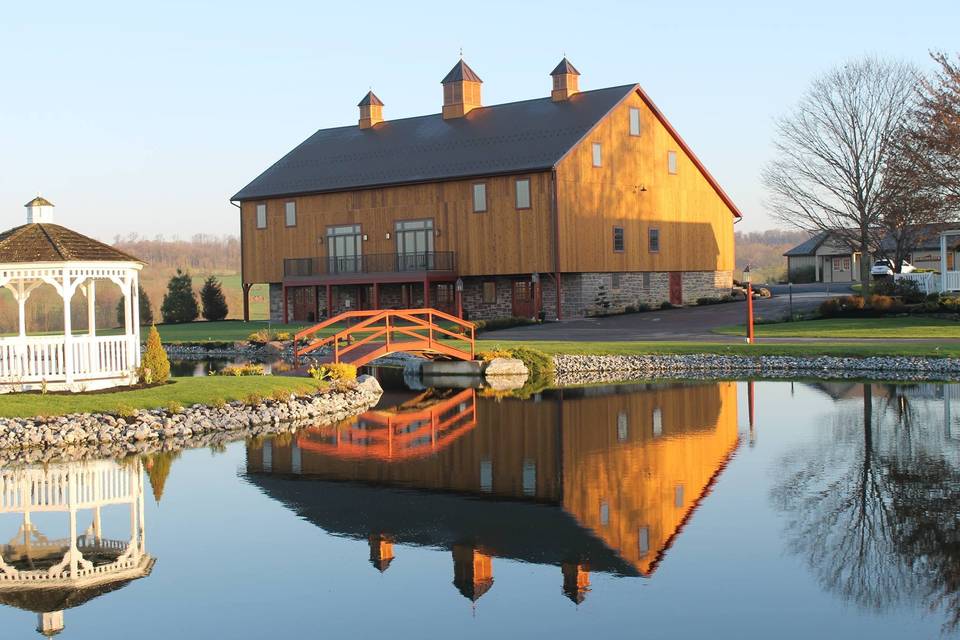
{"x":515,"y":137}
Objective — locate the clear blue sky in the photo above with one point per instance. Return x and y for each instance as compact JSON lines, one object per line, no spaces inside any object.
{"x":147,"y":117}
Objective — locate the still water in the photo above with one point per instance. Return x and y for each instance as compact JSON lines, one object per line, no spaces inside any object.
{"x":720,"y":510}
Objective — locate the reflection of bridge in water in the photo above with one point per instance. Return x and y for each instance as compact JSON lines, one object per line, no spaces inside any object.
{"x":49,"y":575}
{"x":590,"y":480}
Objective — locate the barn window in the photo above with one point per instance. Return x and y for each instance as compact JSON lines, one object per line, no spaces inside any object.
{"x":261,"y":216}
{"x":523,"y":193}
{"x":479,"y":197}
{"x":597,"y":154}
{"x":618,"y":239}
{"x":653,"y":240}
{"x":290,"y":211}
{"x":489,"y":292}
{"x":634,"y":121}
{"x":645,"y":280}
{"x":672,"y":162}
{"x":615,"y":281}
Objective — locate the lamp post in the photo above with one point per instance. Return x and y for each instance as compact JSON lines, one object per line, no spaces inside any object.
{"x":749,"y":278}
{"x":458,"y":287}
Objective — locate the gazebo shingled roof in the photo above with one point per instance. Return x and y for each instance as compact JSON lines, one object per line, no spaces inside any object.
{"x":44,"y":242}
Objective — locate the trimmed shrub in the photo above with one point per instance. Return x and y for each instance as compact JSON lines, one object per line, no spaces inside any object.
{"x":179,"y":303}
{"x":248,"y":369}
{"x":146,"y":310}
{"x":906,"y":290}
{"x":666,"y":305}
{"x":214,"y":302}
{"x":154,"y":365}
{"x":341,"y":371}
{"x":501,"y":323}
{"x":708,"y":301}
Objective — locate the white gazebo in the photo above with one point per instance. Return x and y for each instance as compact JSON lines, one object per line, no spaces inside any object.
{"x":48,"y":575}
{"x":42,"y":253}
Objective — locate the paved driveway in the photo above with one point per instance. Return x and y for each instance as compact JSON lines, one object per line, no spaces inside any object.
{"x":687,"y":323}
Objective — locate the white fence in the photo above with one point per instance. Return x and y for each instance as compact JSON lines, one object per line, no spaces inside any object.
{"x":37,"y":358}
{"x":932,"y":282}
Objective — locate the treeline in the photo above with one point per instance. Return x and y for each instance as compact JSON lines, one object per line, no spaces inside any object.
{"x":763,"y":251}
{"x":201,"y":256}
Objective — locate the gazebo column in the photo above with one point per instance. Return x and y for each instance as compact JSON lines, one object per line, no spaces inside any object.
{"x":67,"y":294}
{"x":92,"y":308}
{"x":135,"y":339}
{"x":22,"y":308}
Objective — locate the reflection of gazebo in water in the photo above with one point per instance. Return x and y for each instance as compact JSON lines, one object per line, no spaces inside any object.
{"x":42,"y":253}
{"x":47,"y":576}
{"x":589,"y":480}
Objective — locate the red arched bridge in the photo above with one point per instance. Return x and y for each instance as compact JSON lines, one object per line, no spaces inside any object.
{"x":358,"y":337}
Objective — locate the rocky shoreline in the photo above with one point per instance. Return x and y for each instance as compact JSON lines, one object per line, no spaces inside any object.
{"x":585,"y":369}
{"x":97,"y":435}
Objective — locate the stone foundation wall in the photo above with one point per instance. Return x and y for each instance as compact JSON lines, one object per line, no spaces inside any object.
{"x":706,"y":284}
{"x":475,"y":308}
{"x":276,"y":302}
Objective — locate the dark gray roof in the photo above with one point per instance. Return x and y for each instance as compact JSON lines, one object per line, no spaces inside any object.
{"x":564,"y":68}
{"x":370,"y":98}
{"x":808,"y":247}
{"x":461,"y":71}
{"x":532,"y":135}
{"x":925,"y":237}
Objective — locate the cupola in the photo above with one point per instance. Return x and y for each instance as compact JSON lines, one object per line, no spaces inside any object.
{"x":566,"y":81}
{"x":39,"y":210}
{"x":371,"y":110}
{"x":461,"y":91}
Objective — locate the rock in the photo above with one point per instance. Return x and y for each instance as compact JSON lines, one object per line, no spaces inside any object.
{"x":369,"y":385}
{"x":505,"y":367}
{"x":506,"y":382}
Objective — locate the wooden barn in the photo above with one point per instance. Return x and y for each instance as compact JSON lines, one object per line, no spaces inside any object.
{"x":557,"y":206}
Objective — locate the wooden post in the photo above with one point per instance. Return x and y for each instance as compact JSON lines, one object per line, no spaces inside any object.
{"x":426,"y":293}
{"x":943,"y":262}
{"x":329,"y":301}
{"x":376,"y":295}
{"x":749,"y":313}
{"x":246,"y":301}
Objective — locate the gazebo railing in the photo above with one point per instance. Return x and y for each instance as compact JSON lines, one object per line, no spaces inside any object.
{"x":37,"y":358}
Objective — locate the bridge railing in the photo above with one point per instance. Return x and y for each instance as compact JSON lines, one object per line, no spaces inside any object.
{"x":392,"y":331}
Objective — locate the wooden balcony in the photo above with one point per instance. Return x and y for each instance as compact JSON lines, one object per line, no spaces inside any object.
{"x":392,"y":265}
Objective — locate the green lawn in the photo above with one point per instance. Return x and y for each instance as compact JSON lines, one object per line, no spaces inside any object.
{"x":186,"y":391}
{"x":894,"y":327}
{"x":856,"y":350}
{"x":201,"y":331}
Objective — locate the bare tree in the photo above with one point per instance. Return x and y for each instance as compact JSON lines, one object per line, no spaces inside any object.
{"x":936,"y":138}
{"x":915,"y":208}
{"x":833,"y":150}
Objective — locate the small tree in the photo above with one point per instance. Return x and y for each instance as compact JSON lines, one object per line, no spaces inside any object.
{"x":154,"y":366}
{"x":146,"y":309}
{"x":214,"y":302}
{"x":179,"y":303}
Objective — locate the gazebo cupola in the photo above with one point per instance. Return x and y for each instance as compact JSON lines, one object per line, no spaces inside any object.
{"x":43,"y":253}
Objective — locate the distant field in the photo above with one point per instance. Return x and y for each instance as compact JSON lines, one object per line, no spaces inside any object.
{"x":259,"y":296}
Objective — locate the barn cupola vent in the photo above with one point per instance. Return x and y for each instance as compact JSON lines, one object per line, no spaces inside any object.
{"x":566,"y":81}
{"x":39,"y":210}
{"x":371,"y":110}
{"x":461,"y":91}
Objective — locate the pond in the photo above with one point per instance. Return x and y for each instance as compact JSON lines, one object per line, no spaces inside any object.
{"x":669,"y":510}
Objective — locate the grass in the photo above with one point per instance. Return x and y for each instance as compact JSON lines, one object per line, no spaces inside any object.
{"x":184,"y":391}
{"x":893,"y":327}
{"x":201,"y":331}
{"x":854,"y":350}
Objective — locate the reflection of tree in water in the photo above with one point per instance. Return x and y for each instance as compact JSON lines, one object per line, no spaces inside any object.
{"x":872,"y":507}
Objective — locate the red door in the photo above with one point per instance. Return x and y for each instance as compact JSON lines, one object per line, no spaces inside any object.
{"x":304,"y":304}
{"x":676,"y":288}
{"x":524,"y":303}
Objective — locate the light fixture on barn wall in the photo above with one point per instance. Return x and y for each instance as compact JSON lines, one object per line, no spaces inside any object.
{"x":364,"y":237}
{"x":388,"y":235}
{"x":641,"y":188}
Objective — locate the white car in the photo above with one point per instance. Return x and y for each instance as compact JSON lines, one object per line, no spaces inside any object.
{"x":885,"y":268}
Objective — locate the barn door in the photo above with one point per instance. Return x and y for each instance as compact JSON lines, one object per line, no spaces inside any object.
{"x":676,"y":288}
{"x":524,"y":303}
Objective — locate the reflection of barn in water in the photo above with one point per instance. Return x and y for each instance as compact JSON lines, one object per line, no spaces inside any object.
{"x":596,"y":479}
{"x":48,"y":576}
